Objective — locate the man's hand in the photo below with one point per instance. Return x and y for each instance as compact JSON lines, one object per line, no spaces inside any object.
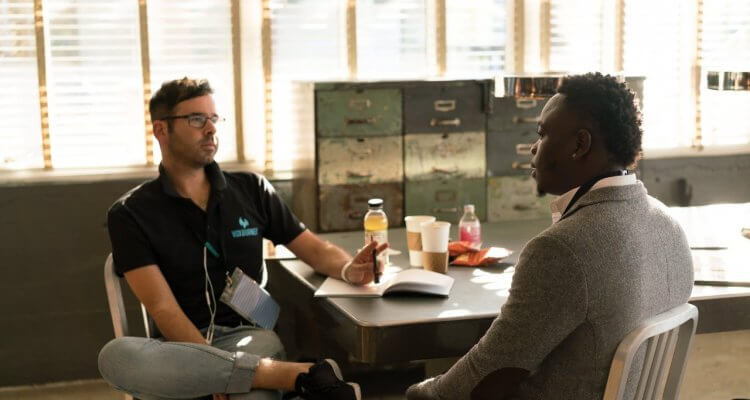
{"x":359,"y":270}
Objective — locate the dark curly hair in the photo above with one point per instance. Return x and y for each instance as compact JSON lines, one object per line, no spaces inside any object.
{"x":611,"y":107}
{"x":173,"y":92}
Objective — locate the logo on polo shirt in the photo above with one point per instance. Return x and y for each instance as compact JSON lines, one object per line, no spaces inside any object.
{"x":244,"y":231}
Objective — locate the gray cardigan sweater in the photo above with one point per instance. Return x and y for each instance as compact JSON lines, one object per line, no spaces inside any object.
{"x":613,"y":260}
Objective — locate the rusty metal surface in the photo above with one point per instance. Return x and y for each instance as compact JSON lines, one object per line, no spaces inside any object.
{"x":360,"y":160}
{"x":444,"y":156}
{"x":515,"y":198}
{"x":432,"y":107}
{"x":343,"y":207}
{"x":358,"y":112}
{"x":445,"y":198}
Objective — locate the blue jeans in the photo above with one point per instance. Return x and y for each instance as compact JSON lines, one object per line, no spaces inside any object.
{"x":153,"y":369}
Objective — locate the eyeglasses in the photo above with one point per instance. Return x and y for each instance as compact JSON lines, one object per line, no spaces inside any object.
{"x":197,"y":120}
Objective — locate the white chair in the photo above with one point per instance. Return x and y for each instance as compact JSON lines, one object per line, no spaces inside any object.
{"x":117,"y":306}
{"x":669,"y":336}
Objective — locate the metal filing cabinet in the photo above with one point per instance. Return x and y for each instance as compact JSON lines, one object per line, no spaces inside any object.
{"x":445,"y":198}
{"x":359,"y":153}
{"x":515,"y":198}
{"x":444,"y":156}
{"x":358,"y":112}
{"x":360,"y":160}
{"x":444,"y":148}
{"x":449,"y":106}
{"x":343,"y":207}
{"x":511,"y":131}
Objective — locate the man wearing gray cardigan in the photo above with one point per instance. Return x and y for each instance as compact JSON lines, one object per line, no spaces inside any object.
{"x":612,"y":258}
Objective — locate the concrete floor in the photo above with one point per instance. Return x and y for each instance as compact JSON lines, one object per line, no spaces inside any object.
{"x":718,"y":369}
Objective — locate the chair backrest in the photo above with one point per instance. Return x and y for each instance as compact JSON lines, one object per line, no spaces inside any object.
{"x":669,"y":336}
{"x":116,"y":305}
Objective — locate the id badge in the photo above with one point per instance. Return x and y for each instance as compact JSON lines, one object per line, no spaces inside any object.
{"x":243,"y":295}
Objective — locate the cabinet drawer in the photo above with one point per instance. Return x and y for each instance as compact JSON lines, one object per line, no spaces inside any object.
{"x":445,"y":199}
{"x":343,"y":207}
{"x":513,"y":115}
{"x":515,"y":198}
{"x":432,"y":107}
{"x":358,"y":112}
{"x":444,"y":156}
{"x":509,"y":152}
{"x":360,"y":160}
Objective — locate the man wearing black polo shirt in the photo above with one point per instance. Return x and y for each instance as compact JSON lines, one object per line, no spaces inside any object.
{"x":177,"y":240}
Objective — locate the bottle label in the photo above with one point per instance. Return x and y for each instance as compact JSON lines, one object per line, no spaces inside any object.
{"x":469,"y":234}
{"x":381,"y":237}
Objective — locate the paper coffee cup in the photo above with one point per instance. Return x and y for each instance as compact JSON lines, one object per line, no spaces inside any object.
{"x":435,"y":246}
{"x":414,"y":237}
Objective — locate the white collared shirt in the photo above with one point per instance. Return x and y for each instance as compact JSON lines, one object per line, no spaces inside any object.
{"x":558,"y":205}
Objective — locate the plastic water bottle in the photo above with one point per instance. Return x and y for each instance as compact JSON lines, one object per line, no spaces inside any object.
{"x":376,"y":225}
{"x":469,"y":229}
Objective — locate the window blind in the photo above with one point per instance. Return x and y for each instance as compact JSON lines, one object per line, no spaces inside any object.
{"x":576,"y":35}
{"x":391,"y":39}
{"x":93,"y":83}
{"x":19,"y":104}
{"x":193,"y":38}
{"x":307,"y":44}
{"x":725,"y":47}
{"x":658,"y":38}
{"x":475,"y":38}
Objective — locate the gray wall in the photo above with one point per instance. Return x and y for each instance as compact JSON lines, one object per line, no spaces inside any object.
{"x":53,"y":242}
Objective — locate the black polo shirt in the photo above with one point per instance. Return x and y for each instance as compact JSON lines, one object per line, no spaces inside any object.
{"x":153,"y":224}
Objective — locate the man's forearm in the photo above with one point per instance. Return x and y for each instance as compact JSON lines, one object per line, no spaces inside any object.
{"x":176,"y":327}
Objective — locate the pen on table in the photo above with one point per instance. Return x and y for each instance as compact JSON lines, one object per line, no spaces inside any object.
{"x":375,"y":265}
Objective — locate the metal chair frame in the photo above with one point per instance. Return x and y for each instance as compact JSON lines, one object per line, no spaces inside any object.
{"x":668,"y":336}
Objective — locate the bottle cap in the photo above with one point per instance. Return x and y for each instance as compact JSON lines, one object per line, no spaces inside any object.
{"x":375,"y":203}
{"x":469,"y":208}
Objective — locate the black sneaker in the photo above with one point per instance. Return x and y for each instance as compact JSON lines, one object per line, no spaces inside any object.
{"x":325,"y":382}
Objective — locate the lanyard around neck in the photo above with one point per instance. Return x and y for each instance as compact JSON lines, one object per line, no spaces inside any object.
{"x":589,"y":184}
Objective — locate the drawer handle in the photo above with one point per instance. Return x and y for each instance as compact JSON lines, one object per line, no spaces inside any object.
{"x":520,"y":165}
{"x":355,"y":215}
{"x":439,"y":170}
{"x":445,"y":122}
{"x":354,"y":174}
{"x":445,"y":210}
{"x":445,"y":105}
{"x":525,"y":103}
{"x":359,"y":104}
{"x":361,"y":153}
{"x":525,"y":120}
{"x":361,"y":121}
{"x":524,"y":149}
{"x":445,"y":195}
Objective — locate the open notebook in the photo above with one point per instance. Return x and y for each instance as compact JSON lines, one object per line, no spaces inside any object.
{"x":412,"y":280}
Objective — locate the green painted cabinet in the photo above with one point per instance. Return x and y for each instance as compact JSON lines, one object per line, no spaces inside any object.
{"x":360,"y":160}
{"x":445,"y":198}
{"x":343,"y":207}
{"x":511,"y":131}
{"x":445,"y":106}
{"x":358,"y":112}
{"x":515,"y":198}
{"x":444,"y":155}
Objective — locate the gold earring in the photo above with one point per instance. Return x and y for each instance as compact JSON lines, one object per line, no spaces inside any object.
{"x":574,"y":155}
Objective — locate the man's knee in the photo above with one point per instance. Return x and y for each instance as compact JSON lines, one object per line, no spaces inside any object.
{"x":117,"y":357}
{"x":265,"y":343}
